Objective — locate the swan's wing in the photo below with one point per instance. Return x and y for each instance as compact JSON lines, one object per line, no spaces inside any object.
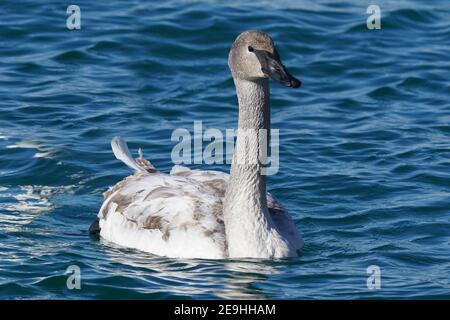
{"x":283,"y":221}
{"x":164,"y":214}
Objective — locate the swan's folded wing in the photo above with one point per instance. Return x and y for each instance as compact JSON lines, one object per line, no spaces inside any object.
{"x":283,"y":221}
{"x":169,"y":208}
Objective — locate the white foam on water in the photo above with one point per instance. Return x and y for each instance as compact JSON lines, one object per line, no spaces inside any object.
{"x":44,"y":152}
{"x":31,"y":199}
{"x":47,"y":155}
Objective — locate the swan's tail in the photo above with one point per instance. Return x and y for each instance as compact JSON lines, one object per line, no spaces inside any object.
{"x":122,"y":153}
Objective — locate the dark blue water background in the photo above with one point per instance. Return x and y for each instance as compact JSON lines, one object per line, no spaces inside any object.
{"x":364,"y":155}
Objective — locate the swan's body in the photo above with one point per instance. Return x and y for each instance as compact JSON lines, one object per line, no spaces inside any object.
{"x":179,"y":215}
{"x":209,"y":214}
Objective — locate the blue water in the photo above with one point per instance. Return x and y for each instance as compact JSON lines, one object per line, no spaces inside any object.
{"x":364,"y":144}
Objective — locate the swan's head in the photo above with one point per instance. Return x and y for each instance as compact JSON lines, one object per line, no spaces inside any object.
{"x":253,"y":56}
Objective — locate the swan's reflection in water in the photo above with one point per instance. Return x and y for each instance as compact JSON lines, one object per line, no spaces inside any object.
{"x":226,"y":279}
{"x":244,"y":276}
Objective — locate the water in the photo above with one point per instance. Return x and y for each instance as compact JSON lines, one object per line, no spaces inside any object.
{"x":365,"y":143}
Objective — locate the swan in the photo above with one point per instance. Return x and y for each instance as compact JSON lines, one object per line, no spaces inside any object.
{"x":204,"y":213}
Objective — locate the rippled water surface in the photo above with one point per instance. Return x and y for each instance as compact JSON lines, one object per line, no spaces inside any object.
{"x":365,"y":143}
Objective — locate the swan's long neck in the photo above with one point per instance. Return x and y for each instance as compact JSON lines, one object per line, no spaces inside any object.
{"x":247,"y":222}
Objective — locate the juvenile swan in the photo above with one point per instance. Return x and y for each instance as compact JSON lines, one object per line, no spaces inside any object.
{"x":209,"y":214}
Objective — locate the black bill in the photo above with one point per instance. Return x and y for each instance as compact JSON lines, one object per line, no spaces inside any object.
{"x":271,"y":66}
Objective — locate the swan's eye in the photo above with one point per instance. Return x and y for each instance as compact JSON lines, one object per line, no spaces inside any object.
{"x":250,"y":48}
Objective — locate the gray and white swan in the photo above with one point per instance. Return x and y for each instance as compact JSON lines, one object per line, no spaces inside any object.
{"x":204,"y":213}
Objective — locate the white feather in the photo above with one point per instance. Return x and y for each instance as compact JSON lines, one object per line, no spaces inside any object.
{"x":122,"y":153}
